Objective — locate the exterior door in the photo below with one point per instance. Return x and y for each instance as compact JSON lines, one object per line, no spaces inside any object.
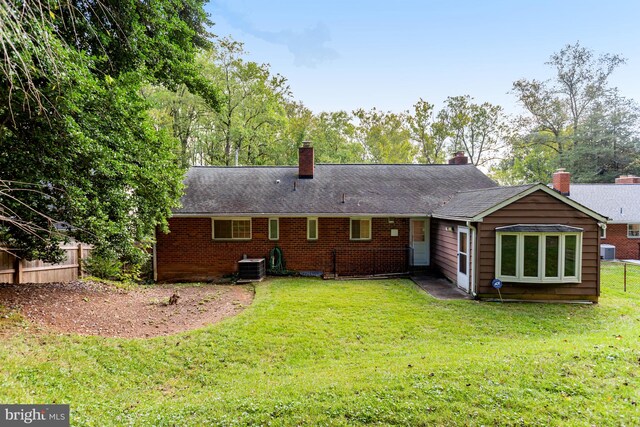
{"x":463,"y":258}
{"x":420,"y":241}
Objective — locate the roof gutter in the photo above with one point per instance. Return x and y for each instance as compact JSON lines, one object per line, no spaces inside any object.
{"x":298,"y":215}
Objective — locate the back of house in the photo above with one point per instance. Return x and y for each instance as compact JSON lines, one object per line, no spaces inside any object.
{"x":369,"y":219}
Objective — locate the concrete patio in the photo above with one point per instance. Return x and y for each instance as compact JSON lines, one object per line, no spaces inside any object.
{"x":440,"y":288}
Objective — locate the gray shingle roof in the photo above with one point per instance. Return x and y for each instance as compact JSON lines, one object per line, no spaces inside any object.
{"x":368,"y":189}
{"x":468,"y":204}
{"x":620,"y":202}
{"x":538,"y":228}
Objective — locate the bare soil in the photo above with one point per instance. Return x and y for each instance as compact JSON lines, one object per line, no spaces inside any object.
{"x":95,"y":308}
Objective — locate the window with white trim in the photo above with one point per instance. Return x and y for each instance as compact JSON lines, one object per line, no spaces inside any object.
{"x":312,"y":228}
{"x":274,"y":229}
{"x":633,"y":231}
{"x":538,"y":257}
{"x":231,"y":228}
{"x":360,"y":229}
{"x":603,"y":232}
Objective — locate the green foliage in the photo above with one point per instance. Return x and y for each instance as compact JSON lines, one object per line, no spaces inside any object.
{"x":429,"y":134}
{"x":80,"y":150}
{"x":476,"y":129}
{"x":312,"y":352}
{"x":591,"y":130}
{"x":384,"y":136}
{"x":103,"y":267}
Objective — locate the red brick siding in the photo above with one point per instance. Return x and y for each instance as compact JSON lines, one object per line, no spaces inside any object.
{"x":189,"y":252}
{"x":626,"y":248}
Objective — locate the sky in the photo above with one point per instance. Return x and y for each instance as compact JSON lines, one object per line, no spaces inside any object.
{"x":344,"y":55}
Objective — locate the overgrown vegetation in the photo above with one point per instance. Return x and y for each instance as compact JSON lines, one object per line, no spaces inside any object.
{"x":312,"y":352}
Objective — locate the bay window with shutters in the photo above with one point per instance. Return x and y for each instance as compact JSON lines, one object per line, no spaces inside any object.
{"x":539,"y":254}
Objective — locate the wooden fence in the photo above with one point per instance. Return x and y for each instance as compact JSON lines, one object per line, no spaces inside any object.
{"x":16,"y":270}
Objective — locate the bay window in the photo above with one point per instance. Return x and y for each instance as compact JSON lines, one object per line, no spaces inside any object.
{"x":538,"y":254}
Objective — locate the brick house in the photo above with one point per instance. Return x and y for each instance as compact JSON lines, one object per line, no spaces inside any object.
{"x":370,"y":219}
{"x":619,"y":201}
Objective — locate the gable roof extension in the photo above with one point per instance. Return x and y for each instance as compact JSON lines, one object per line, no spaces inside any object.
{"x":475,"y":205}
{"x":372,"y":189}
{"x":620,"y":202}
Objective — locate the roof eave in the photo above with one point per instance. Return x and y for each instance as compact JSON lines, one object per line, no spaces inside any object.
{"x":585,"y":210}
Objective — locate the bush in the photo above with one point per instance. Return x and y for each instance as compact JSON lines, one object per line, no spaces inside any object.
{"x":103,"y":266}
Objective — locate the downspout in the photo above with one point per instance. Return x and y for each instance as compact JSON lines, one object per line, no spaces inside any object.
{"x":474,"y":258}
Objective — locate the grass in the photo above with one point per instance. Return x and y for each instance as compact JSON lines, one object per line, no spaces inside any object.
{"x":312,"y":352}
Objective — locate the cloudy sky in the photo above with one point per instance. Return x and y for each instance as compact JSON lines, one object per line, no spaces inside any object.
{"x":342,"y":55}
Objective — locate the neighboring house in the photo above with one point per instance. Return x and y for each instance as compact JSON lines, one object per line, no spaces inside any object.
{"x":620,"y":202}
{"x":370,"y":219}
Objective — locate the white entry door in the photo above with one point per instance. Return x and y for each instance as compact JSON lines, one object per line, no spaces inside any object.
{"x":420,"y":241}
{"x":463,"y":258}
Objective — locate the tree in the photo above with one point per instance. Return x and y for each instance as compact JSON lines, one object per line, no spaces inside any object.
{"x":476,"y":129}
{"x":429,"y":134}
{"x":558,"y":106}
{"x":252,"y":116}
{"x":79,"y":151}
{"x":609,"y":141}
{"x":384,"y":136}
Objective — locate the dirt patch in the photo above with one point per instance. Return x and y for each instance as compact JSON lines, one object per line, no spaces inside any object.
{"x":94,"y":308}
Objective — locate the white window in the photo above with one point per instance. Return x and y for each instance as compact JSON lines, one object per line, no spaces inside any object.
{"x":312,"y":228}
{"x":603,"y":232}
{"x":231,"y":228}
{"x":633,"y":231}
{"x":538,"y":257}
{"x":360,"y":229}
{"x":274,"y":229}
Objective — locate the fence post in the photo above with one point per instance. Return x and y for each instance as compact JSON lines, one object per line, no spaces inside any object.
{"x":17,"y":269}
{"x":625,"y":277}
{"x":79,"y":260}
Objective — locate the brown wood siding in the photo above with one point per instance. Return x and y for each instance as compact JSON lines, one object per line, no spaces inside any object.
{"x":540,"y":208}
{"x":444,"y":247}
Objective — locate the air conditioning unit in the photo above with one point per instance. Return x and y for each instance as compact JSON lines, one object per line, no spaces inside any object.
{"x":251,"y":269}
{"x":607,"y":252}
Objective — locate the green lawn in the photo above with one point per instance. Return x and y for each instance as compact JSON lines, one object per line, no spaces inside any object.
{"x":312,"y":352}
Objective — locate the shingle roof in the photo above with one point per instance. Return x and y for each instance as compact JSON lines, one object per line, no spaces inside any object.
{"x":538,"y":228}
{"x":368,"y":189}
{"x":620,"y":202}
{"x":468,"y":204}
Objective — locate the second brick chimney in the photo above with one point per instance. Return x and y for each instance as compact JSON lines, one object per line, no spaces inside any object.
{"x":459,"y":159}
{"x":628,"y":179}
{"x":306,"y":163}
{"x":562,"y":182}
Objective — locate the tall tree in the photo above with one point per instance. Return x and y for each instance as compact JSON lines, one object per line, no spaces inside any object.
{"x":428,"y":133}
{"x":252,"y":115}
{"x":476,"y":129}
{"x":384,"y":136}
{"x":79,"y":149}
{"x":558,"y":106}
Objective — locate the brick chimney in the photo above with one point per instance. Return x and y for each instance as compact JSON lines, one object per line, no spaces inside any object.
{"x":562,"y":181}
{"x":305,"y":161}
{"x":459,"y":159}
{"x":628,"y":179}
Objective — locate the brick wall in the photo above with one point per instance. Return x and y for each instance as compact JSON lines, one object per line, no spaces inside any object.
{"x":189,"y":253}
{"x":626,"y":248}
